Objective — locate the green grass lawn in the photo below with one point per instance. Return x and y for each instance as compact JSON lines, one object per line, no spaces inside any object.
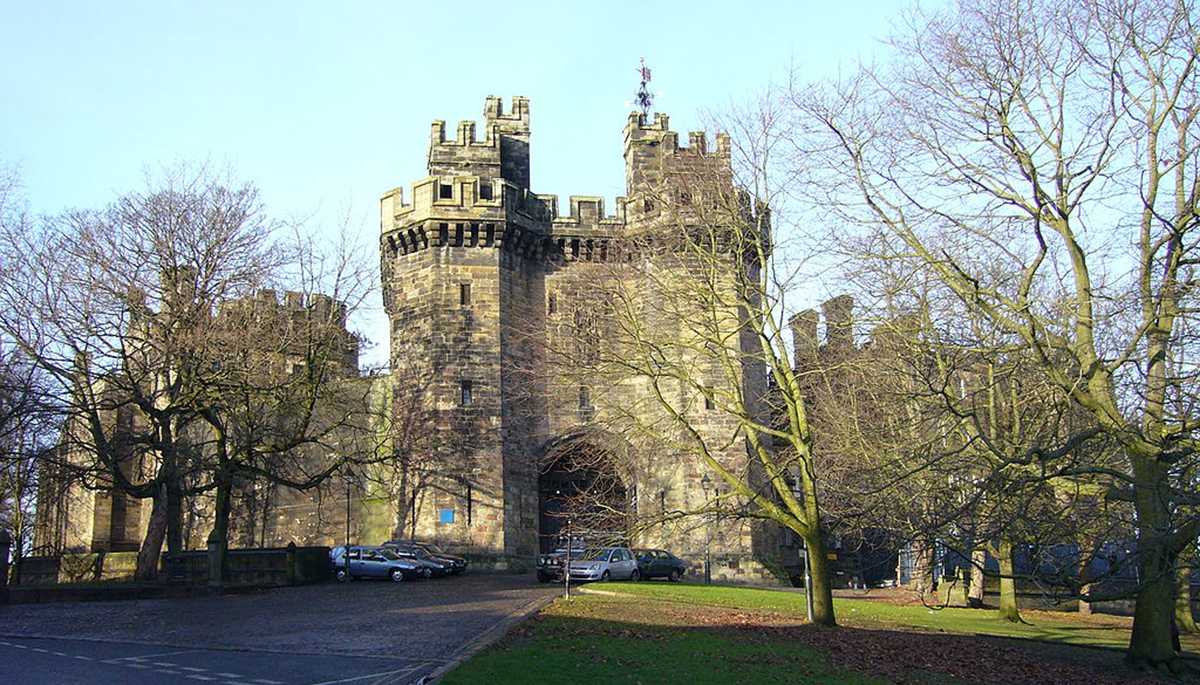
{"x":698,"y":635}
{"x":598,"y":639}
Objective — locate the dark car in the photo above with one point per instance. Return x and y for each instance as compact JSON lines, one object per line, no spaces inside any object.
{"x":659,"y":563}
{"x":458,"y":564}
{"x":436,"y":566}
{"x":550,"y":566}
{"x":373,"y":562}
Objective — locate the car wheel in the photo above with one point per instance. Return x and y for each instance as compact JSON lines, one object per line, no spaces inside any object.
{"x":605,"y":576}
{"x":427,"y":573}
{"x":396,"y":575}
{"x":341,"y":575}
{"x":635,"y":576}
{"x":675,"y":575}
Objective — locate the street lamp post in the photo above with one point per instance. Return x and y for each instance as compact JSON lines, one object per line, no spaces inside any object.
{"x":705,"y":484}
{"x":348,"y":479}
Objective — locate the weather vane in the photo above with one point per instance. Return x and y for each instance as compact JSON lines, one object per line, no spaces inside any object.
{"x":644,"y":98}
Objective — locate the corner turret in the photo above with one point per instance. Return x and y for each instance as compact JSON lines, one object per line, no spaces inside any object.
{"x":503,"y":152}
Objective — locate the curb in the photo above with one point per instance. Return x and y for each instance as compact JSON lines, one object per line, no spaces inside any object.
{"x":488,"y":637}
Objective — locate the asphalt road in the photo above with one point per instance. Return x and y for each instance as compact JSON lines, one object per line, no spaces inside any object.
{"x":56,"y":661}
{"x":361,"y":632}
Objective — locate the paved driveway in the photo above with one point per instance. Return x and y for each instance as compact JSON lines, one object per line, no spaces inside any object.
{"x":301,"y":635}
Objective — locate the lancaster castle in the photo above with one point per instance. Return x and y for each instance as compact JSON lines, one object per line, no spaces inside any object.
{"x":499,"y":439}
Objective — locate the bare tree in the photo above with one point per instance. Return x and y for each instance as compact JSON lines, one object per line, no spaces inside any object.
{"x":682,"y":348}
{"x":1039,"y":160}
{"x":121,"y":309}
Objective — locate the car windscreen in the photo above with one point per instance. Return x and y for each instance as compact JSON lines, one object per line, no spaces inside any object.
{"x":591,"y":554}
{"x":388,"y":554}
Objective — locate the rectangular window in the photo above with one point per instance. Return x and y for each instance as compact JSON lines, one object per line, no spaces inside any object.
{"x":552,"y":303}
{"x":708,"y":398}
{"x":464,"y":294}
{"x":485,"y":190}
{"x":464,"y":397}
{"x":445,"y":516}
{"x":585,"y":397}
{"x":445,"y":191}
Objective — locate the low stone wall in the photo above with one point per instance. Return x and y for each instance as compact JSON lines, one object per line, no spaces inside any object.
{"x":267,"y":567}
{"x":270,"y":567}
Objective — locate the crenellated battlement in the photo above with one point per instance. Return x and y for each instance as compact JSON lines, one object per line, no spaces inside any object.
{"x":516,"y":121}
{"x":502,"y":153}
{"x":653,"y":153}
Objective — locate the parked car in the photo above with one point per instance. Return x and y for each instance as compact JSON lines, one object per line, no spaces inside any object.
{"x":457,"y":564}
{"x":605,"y":563}
{"x":435,"y":566}
{"x":373,"y":562}
{"x":659,"y":563}
{"x":550,"y":566}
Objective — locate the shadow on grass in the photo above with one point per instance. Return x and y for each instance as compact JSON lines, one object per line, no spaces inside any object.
{"x":627,"y":639}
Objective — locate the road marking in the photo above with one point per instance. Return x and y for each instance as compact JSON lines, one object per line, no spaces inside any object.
{"x":228,"y":675}
{"x":193,"y":669}
{"x":83,"y":658}
{"x":165,"y":663}
{"x":137,"y":665}
{"x":144,"y":657}
{"x":39,"y":649}
{"x":166,"y":670}
{"x":201,"y":677}
{"x":267,"y":682}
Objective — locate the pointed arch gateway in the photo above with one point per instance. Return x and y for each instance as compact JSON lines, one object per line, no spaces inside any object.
{"x":586,"y":486}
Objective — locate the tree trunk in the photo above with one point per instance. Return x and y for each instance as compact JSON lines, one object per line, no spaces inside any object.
{"x":218,"y":539}
{"x":922,"y":582}
{"x":1008,"y":587}
{"x":1184,"y":620}
{"x":174,"y":521}
{"x":1150,"y":642}
{"x":976,"y":591}
{"x":822,"y":587}
{"x":156,"y":528}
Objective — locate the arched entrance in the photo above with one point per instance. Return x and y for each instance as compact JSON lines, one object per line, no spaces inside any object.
{"x":581,"y":492}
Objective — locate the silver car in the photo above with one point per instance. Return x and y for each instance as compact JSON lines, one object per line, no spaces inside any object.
{"x":372,"y":562}
{"x":605,"y":563}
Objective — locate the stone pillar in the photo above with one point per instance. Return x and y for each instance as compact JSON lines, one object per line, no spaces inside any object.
{"x":5,"y":547}
{"x":291,"y":563}
{"x":216,"y":562}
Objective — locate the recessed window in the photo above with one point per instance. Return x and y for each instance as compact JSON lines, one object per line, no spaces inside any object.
{"x":485,"y":190}
{"x":585,"y":397}
{"x":647,"y":205}
{"x":708,"y":398}
{"x":464,"y":294}
{"x":552,"y":303}
{"x":445,"y":191}
{"x":464,"y":393}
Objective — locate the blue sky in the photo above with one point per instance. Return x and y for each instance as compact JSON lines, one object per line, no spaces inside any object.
{"x":326,"y":106}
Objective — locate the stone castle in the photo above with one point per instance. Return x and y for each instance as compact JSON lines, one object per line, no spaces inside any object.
{"x":480,"y":276}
